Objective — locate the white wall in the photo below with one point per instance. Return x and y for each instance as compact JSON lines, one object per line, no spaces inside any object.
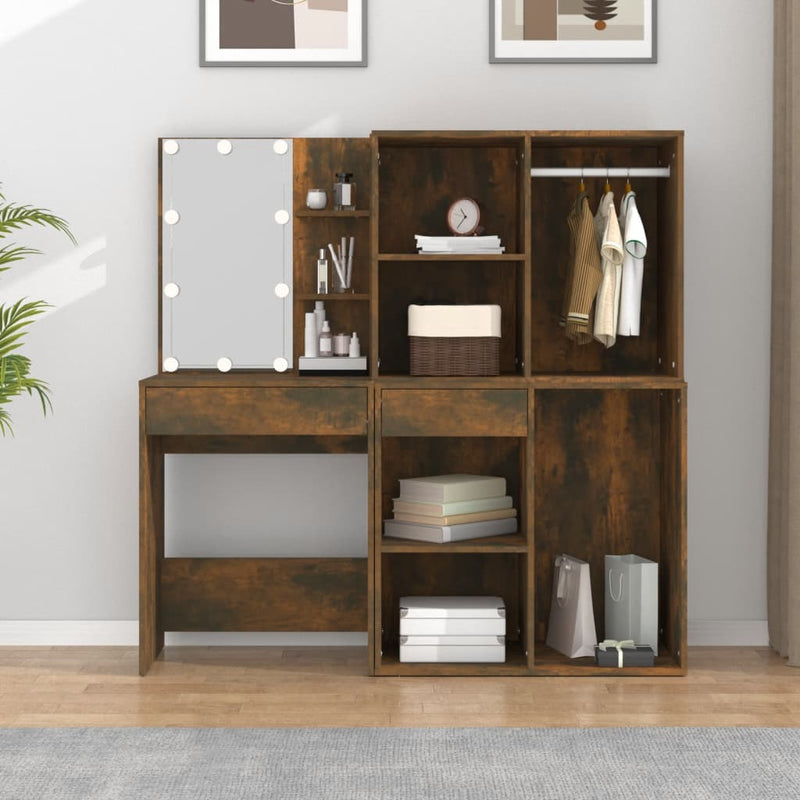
{"x":88,"y":86}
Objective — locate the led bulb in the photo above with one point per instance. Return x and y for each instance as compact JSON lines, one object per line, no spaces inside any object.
{"x":281,"y":290}
{"x":224,"y":364}
{"x":280,"y":146}
{"x":171,"y":364}
{"x":282,"y":216}
{"x":171,"y":216}
{"x":171,"y":147}
{"x":224,"y":147}
{"x":280,"y":364}
{"x":172,"y":290}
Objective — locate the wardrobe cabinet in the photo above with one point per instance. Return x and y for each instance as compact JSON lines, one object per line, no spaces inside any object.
{"x":591,"y":441}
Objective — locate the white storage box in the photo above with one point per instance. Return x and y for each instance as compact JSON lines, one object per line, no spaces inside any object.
{"x":453,"y":629}
{"x":453,"y":653}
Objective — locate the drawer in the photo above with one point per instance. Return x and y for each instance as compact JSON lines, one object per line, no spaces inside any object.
{"x":253,"y":411}
{"x":454,"y":412}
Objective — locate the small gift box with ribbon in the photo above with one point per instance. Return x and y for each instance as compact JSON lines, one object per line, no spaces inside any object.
{"x":611,"y":653}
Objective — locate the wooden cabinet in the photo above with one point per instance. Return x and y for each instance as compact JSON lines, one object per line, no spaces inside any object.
{"x":591,"y":441}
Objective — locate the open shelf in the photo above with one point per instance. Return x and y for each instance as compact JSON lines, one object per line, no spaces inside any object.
{"x":516,"y":663}
{"x":609,"y":477}
{"x":547,"y":661}
{"x":331,"y":213}
{"x":336,"y":297}
{"x":510,"y":543}
{"x":451,"y":257}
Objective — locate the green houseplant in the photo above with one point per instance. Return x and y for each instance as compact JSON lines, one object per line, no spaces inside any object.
{"x":16,"y":318}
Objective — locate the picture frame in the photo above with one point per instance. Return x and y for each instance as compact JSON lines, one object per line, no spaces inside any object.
{"x":576,"y":31}
{"x":283,"y":33}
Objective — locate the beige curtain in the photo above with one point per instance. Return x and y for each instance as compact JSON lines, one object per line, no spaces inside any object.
{"x":783,"y":568}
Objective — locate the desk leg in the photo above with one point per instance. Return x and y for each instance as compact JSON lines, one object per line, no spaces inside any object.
{"x":151,"y":547}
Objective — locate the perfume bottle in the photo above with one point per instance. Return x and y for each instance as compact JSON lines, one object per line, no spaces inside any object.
{"x":344,"y":192}
{"x":322,"y":272}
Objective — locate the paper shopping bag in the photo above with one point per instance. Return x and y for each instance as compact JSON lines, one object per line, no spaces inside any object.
{"x":571,"y":628}
{"x":631,"y":599}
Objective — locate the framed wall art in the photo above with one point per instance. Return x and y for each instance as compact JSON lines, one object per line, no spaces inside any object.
{"x":572,"y":30}
{"x":280,"y":33}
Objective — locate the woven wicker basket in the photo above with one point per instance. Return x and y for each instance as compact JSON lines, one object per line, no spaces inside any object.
{"x":454,"y":355}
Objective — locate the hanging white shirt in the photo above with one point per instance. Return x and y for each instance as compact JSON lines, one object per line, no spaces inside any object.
{"x":609,"y":239}
{"x":630,"y":306}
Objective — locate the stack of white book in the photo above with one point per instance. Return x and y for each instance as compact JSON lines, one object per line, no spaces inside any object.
{"x":459,"y":244}
{"x":452,"y":508}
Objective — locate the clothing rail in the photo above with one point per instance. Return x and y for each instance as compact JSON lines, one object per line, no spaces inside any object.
{"x":600,"y":172}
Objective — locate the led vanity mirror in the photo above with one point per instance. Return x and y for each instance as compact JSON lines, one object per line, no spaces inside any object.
{"x":226,"y":244}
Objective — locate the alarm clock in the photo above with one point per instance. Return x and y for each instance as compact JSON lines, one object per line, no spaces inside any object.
{"x":464,"y":216}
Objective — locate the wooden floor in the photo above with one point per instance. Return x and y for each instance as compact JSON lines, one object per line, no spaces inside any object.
{"x":277,"y":687}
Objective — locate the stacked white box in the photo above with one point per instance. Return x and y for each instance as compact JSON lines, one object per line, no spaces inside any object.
{"x":452,"y":629}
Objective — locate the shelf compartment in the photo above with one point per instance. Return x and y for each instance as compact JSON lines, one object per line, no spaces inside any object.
{"x":511,"y":543}
{"x":550,"y":662}
{"x":445,"y":574}
{"x":515,"y":664}
{"x":609,"y":473}
{"x":423,"y":282}
{"x":658,"y":350}
{"x":421,"y":176}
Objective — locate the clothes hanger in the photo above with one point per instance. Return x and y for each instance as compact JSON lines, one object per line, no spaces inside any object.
{"x":628,"y":187}
{"x":608,"y":185}
{"x":582,"y":187}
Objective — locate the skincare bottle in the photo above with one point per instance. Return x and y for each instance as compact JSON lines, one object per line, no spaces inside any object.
{"x":355,"y":346}
{"x":322,"y":272}
{"x":326,"y":341}
{"x":312,"y":337}
{"x":319,"y":315}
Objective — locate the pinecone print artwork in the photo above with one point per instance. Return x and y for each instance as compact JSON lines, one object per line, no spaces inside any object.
{"x":600,"y":11}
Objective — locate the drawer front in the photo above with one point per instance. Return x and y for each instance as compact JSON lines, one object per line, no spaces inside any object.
{"x":454,"y":412}
{"x":236,"y":411}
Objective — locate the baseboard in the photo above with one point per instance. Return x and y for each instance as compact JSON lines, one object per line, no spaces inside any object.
{"x":125,"y":633}
{"x":728,"y":632}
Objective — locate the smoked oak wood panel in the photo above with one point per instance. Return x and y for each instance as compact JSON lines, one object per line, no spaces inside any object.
{"x":263,"y":594}
{"x":670,"y":256}
{"x":511,"y":543}
{"x":446,"y":412}
{"x":151,"y":541}
{"x":256,"y":411}
{"x":264,"y":444}
{"x":514,"y":665}
{"x":673,"y":602}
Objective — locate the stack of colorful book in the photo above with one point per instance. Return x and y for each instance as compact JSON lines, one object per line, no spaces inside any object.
{"x":452,"y":508}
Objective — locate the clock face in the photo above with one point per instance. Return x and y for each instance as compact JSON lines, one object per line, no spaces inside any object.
{"x":463,"y":216}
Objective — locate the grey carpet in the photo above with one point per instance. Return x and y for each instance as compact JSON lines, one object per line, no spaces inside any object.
{"x":408,"y":763}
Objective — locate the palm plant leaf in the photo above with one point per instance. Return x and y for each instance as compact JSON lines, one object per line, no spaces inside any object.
{"x":11,"y":253}
{"x":15,"y":368}
{"x":13,"y":217}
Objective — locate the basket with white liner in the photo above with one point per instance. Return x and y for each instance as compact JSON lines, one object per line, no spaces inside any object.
{"x":454,"y":340}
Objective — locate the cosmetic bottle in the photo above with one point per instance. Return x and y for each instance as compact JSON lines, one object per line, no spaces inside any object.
{"x":344,"y":192}
{"x":322,"y":272}
{"x":355,"y":346}
{"x":312,"y":337}
{"x":319,"y":315}
{"x":326,"y":341}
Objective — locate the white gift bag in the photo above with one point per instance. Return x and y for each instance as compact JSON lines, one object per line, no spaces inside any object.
{"x":571,"y":629}
{"x":631,"y":599}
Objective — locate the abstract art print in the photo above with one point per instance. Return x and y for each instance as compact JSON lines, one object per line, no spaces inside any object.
{"x":279,"y":33}
{"x":572,"y":30}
